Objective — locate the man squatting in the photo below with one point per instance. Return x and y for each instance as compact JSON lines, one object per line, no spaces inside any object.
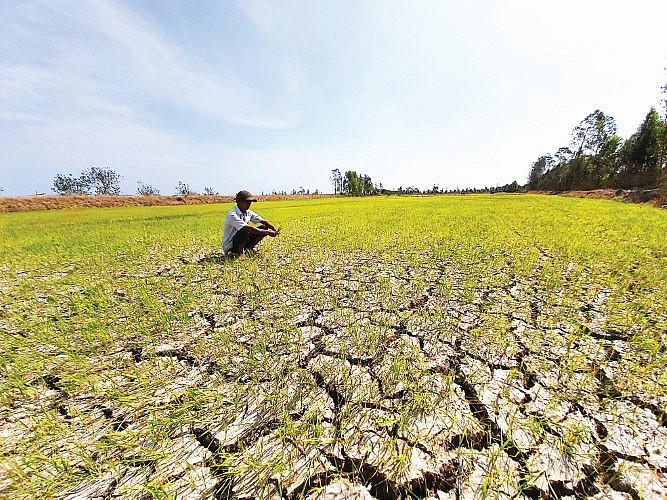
{"x":239,"y":236}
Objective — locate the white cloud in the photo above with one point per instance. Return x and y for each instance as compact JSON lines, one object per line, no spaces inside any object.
{"x":276,"y":94}
{"x":128,"y":60}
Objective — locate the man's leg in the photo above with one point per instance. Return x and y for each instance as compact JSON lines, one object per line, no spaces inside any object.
{"x":239,"y":241}
{"x":255,"y":238}
{"x":244,"y":240}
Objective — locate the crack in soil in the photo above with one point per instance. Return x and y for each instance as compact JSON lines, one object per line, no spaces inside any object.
{"x":180,"y":353}
{"x":451,"y":314}
{"x":382,"y":487}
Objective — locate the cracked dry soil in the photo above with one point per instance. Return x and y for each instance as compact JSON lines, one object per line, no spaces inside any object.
{"x":383,"y":379}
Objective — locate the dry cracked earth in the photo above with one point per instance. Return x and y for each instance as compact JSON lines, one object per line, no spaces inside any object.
{"x":366,"y":377}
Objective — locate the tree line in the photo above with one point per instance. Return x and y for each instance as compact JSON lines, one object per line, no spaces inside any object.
{"x":105,"y":181}
{"x":597,"y":157}
{"x":354,"y":184}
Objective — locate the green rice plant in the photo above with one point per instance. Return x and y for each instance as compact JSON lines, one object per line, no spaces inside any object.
{"x":123,"y":329}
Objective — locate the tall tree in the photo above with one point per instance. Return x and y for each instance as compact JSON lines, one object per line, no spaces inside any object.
{"x":563,"y":155}
{"x":663,"y":139}
{"x":102,"y":180}
{"x":592,"y":133}
{"x":595,"y":144}
{"x":538,"y":169}
{"x":351,"y":184}
{"x":663,"y":148}
{"x":366,"y":185}
{"x":336,"y":181}
{"x":640,"y":156}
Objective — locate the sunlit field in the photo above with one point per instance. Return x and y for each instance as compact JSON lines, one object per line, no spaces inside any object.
{"x":388,"y":347}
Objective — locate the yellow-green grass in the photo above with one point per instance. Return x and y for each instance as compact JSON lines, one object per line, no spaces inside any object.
{"x":92,"y":300}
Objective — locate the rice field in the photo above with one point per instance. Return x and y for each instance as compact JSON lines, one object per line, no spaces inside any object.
{"x":487,"y":346}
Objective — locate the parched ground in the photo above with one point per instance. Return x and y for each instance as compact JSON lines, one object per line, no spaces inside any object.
{"x":361,"y":376}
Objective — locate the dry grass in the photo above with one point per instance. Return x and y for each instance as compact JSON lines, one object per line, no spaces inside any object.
{"x":656,"y":197}
{"x":39,"y":202}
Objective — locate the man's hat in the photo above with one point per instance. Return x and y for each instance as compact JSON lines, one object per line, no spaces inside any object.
{"x":245,"y":196}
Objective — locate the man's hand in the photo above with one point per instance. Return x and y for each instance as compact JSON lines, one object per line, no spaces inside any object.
{"x":271,"y":230}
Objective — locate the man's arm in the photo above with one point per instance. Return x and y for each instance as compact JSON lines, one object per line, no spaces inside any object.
{"x":272,"y":231}
{"x":269,"y":225}
{"x":257,"y":219}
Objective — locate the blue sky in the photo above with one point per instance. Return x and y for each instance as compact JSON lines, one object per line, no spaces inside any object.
{"x":273,"y":95}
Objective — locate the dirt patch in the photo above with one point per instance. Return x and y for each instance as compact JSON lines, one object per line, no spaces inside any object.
{"x":651,"y":196}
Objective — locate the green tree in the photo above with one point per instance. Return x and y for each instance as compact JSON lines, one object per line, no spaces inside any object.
{"x":336,"y":181}
{"x":146,"y":189}
{"x":663,"y":149}
{"x":663,"y":138}
{"x":538,"y":169}
{"x":576,"y":174}
{"x":366,"y":185}
{"x":354,"y":184}
{"x":592,"y":133}
{"x":68,"y":184}
{"x":102,"y":180}
{"x":351,"y":185}
{"x":183,"y":189}
{"x":563,"y":155}
{"x":556,"y":171}
{"x":595,"y":145}
{"x":641,"y":155}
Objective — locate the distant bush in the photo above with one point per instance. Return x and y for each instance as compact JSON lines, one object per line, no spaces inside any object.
{"x":146,"y":190}
{"x":68,"y":184}
{"x":183,"y":189}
